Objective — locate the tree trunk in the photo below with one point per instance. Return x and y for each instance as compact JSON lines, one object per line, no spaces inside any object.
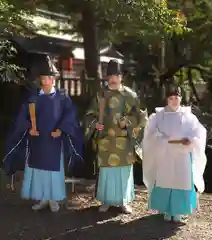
{"x":91,"y":45}
{"x":191,"y":83}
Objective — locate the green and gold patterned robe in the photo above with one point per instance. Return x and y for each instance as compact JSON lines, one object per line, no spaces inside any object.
{"x":115,"y":145}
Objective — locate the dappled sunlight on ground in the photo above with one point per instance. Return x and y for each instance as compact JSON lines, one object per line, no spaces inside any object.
{"x":83,"y":221}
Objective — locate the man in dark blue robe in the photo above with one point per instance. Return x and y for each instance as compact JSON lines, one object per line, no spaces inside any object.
{"x":41,"y":151}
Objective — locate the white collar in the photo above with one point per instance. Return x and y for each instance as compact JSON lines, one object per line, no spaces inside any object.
{"x":182,"y":109}
{"x":118,"y":89}
{"x":53,"y":90}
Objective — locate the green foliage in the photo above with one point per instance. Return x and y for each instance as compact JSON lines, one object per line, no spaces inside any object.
{"x":13,"y":19}
{"x":9,"y":71}
{"x":144,"y":21}
{"x":117,"y":19}
{"x":141,"y":19}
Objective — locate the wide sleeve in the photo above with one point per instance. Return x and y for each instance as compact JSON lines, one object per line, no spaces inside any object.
{"x":16,"y":142}
{"x":72,"y":134}
{"x":136,"y":120}
{"x":197,"y":136}
{"x":69,"y":124}
{"x":133,"y":113}
{"x":91,"y":118}
{"x":21,"y":123}
{"x":153,"y":143}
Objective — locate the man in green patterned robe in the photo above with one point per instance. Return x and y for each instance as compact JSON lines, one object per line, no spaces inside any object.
{"x":113,"y":121}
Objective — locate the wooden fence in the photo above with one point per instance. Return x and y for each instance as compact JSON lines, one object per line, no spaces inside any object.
{"x":78,"y":86}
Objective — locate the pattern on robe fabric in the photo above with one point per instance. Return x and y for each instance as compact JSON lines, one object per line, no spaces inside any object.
{"x":115,"y":144}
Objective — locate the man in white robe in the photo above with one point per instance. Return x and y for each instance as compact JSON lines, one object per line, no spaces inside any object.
{"x":174,"y":159}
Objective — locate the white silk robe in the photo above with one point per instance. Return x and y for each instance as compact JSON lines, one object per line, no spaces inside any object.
{"x":170,"y":171}
{"x":173,"y":166}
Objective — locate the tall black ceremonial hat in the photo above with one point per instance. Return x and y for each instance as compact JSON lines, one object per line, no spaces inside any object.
{"x":113,"y":68}
{"x":46,"y":67}
{"x":173,"y":91}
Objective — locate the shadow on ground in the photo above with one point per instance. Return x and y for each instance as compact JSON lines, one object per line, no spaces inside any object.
{"x":146,"y":228}
{"x":18,"y":222}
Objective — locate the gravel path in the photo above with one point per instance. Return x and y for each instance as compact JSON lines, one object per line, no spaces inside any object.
{"x":82,"y":221}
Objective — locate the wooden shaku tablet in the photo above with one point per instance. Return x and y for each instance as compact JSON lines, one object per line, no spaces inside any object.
{"x":175,"y":141}
{"x":32,"y":116}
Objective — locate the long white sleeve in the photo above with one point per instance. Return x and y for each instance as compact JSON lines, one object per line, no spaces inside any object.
{"x":199,"y":160}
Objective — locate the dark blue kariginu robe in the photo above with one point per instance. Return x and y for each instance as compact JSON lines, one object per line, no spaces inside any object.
{"x":44,"y":152}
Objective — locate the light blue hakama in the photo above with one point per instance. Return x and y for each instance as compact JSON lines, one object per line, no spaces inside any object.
{"x":116,"y":185}
{"x":44,"y":185}
{"x":173,"y":201}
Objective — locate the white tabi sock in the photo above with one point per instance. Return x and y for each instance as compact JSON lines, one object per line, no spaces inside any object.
{"x":41,"y":205}
{"x":54,"y":206}
{"x":104,"y":208}
{"x":127,"y":209}
{"x":167,"y":217}
{"x":177,"y":218}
